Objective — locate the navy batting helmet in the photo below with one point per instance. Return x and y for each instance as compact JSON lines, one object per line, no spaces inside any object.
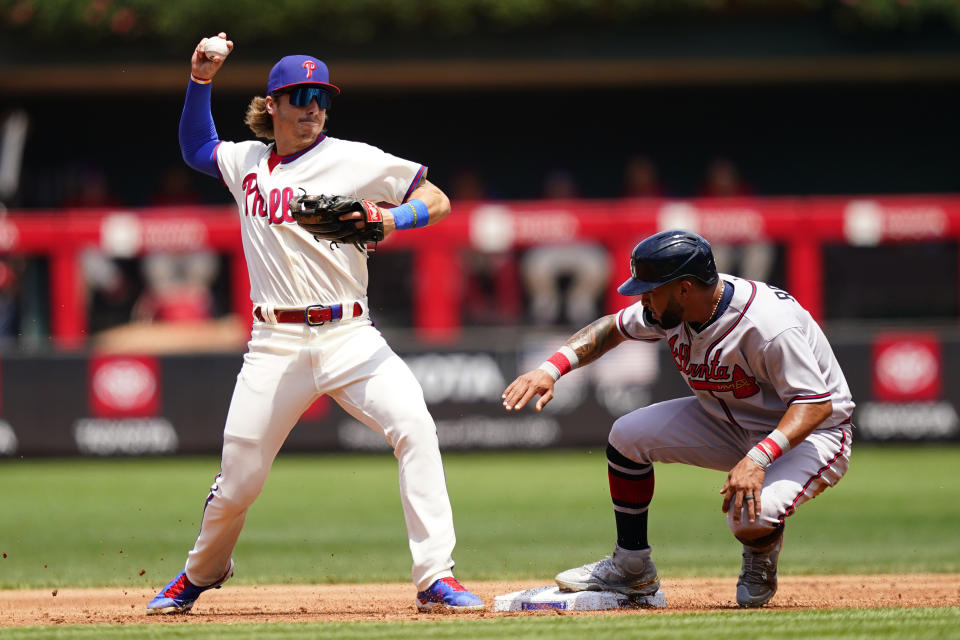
{"x":667,"y":256}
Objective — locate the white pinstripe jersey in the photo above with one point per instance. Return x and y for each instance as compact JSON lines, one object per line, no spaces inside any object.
{"x":763,"y":353}
{"x":288,"y":268}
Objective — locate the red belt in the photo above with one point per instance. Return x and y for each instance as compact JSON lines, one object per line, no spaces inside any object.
{"x":314,"y":315}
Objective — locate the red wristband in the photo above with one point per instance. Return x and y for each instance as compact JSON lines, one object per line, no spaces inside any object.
{"x":771,"y":448}
{"x":560,"y":361}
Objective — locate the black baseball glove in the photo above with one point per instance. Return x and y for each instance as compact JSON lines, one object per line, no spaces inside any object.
{"x":320,"y":216}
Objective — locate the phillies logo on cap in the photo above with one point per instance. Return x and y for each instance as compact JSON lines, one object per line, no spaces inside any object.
{"x":300,"y":69}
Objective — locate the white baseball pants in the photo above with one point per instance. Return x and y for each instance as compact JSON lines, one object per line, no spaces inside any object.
{"x":285,"y":369}
{"x":680,"y":430}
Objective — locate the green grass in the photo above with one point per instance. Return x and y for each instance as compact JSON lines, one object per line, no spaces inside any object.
{"x":337,"y":518}
{"x":849,"y":624}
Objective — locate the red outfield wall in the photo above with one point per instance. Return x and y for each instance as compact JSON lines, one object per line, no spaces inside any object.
{"x":803,"y":226}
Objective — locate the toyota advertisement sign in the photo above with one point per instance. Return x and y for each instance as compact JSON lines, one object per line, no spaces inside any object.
{"x":120,"y":405}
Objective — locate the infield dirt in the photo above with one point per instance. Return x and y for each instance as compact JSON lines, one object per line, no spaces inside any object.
{"x":356,"y":602}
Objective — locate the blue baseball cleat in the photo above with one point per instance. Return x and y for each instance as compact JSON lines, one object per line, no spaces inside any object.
{"x":180,"y":594}
{"x":448,"y":594}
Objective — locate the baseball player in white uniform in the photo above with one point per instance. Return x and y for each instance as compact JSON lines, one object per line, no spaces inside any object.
{"x":312,"y":333}
{"x":770,"y":407}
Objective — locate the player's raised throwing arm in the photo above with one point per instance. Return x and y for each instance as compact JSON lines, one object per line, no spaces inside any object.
{"x":584,"y":347}
{"x":197,"y":134}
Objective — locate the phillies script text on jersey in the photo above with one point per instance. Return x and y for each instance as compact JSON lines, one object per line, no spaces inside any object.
{"x":255,"y":204}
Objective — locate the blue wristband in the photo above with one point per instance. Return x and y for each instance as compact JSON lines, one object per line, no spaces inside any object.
{"x":411,"y":215}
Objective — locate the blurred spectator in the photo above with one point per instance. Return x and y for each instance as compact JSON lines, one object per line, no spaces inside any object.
{"x":493,"y":292}
{"x":112,"y":290}
{"x":565,"y":281}
{"x":89,"y":187}
{"x":560,"y":184}
{"x":722,"y":179}
{"x":175,"y":313}
{"x":176,"y":188}
{"x":753,"y":261}
{"x":641,"y":178}
{"x":178,"y":287}
{"x":468,"y":184}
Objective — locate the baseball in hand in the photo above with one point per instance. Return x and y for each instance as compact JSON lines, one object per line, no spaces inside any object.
{"x":215,"y":46}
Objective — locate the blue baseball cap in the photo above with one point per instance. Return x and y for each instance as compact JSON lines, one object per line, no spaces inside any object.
{"x":294,"y":70}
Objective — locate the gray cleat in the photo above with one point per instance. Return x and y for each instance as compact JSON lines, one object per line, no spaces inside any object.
{"x":758,"y":576}
{"x":629,"y":572}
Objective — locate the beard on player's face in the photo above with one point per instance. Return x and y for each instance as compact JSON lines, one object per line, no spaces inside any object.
{"x":664,"y":297}
{"x":671,"y":316}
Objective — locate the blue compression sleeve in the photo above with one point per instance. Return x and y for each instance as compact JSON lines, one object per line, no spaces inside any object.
{"x":198,"y":134}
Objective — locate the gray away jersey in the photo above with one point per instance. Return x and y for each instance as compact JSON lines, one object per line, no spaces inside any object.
{"x":764,"y":353}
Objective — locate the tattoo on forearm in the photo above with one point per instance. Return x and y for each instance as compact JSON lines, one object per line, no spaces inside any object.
{"x":592,"y":341}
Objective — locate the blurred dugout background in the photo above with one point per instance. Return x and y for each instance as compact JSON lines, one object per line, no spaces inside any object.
{"x":812,"y":141}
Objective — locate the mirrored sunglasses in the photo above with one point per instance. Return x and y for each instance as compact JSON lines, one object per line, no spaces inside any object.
{"x":305,"y":94}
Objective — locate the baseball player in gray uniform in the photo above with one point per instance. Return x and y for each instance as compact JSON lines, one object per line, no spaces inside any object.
{"x":312,"y":333}
{"x":770,"y":407}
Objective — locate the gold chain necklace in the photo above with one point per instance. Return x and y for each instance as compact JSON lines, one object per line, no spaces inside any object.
{"x":717,"y":303}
